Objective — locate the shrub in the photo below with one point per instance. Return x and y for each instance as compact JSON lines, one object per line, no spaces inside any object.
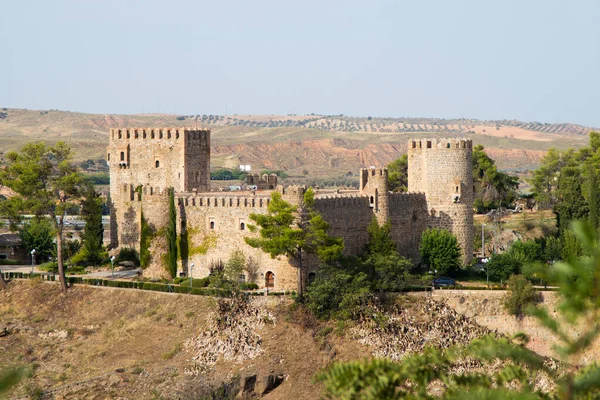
{"x":11,"y":262}
{"x":520,"y":295}
{"x":248,"y":286}
{"x":50,"y":266}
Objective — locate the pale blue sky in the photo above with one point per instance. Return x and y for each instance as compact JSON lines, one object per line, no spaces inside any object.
{"x":529,"y":60}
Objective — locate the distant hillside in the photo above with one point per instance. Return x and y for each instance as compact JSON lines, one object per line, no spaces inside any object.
{"x":308,"y":145}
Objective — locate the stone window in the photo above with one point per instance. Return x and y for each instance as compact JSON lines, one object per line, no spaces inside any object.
{"x":212,"y":225}
{"x":429,"y":144}
{"x":108,"y":157}
{"x":144,"y":134}
{"x":135,"y":134}
{"x":168,"y":134}
{"x":120,"y":135}
{"x":157,"y":164}
{"x":152,"y":135}
{"x":242,"y":226}
{"x":372,"y":201}
{"x":448,"y":145}
{"x":160,"y":135}
{"x":176,"y":134}
{"x":128,"y":135}
{"x":122,"y":156}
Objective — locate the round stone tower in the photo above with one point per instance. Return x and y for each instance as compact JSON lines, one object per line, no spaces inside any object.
{"x":442,"y":169}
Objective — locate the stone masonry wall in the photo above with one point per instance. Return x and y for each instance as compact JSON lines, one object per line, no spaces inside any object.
{"x":155,"y":159}
{"x":222,"y":222}
{"x":440,"y":186}
{"x":442,"y":169}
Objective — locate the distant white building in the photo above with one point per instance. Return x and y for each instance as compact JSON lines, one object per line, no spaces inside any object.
{"x":245,"y":167}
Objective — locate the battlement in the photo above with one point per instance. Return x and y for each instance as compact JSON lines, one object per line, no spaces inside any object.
{"x":223,"y":201}
{"x":443,"y":143}
{"x":383,"y":172}
{"x":334,"y":201}
{"x":402,"y":199}
{"x":264,"y":182}
{"x":117,"y":134}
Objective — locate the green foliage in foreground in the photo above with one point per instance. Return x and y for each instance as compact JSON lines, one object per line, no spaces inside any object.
{"x":518,"y":370}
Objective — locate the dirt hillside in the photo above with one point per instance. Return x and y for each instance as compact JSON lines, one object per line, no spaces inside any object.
{"x":323,"y":146}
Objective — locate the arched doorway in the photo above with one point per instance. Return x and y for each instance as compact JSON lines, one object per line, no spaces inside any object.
{"x":269,"y":279}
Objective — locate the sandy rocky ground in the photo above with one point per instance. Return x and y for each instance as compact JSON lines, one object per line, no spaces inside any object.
{"x":121,"y":344}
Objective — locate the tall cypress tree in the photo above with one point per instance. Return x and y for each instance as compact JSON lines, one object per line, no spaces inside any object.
{"x":93,"y":234}
{"x":172,"y":236}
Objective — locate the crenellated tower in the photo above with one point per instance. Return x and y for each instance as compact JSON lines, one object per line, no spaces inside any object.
{"x":155,"y":159}
{"x":442,"y":169}
{"x":374,"y":184}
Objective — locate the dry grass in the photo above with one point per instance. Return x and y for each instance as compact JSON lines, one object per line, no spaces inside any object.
{"x":140,"y":334}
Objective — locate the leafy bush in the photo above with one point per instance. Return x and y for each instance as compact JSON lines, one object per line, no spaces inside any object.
{"x":248,"y":286}
{"x":50,"y":266}
{"x":338,"y":292}
{"x":11,"y":262}
{"x":502,"y":265}
{"x":520,"y":295}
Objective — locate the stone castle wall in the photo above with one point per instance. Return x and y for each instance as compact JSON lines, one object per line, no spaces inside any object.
{"x":221,"y":223}
{"x":155,"y":159}
{"x":152,"y":160}
{"x":442,"y":169}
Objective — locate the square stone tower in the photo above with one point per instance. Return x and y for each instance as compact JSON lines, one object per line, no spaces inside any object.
{"x":156,"y":159}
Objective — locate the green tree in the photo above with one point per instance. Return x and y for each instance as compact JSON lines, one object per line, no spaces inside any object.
{"x":493,"y":188}
{"x":38,"y":234}
{"x":234,"y":268}
{"x":439,"y":249}
{"x":171,"y":256}
{"x":386,"y":268}
{"x":340,"y":291}
{"x":398,"y":174}
{"x":520,"y":295}
{"x":502,"y":265}
{"x":292,"y":231}
{"x":46,"y":183}
{"x":552,"y":249}
{"x":380,"y":238}
{"x":521,"y":369}
{"x":93,"y":234}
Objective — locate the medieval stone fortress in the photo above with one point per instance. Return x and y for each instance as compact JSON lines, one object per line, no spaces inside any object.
{"x":146,"y":162}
